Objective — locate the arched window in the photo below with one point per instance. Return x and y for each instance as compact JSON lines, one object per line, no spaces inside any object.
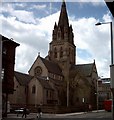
{"x":59,"y":34}
{"x":33,"y":89}
{"x":69,"y":51}
{"x":55,"y":52}
{"x":72,"y":54}
{"x":61,"y":52}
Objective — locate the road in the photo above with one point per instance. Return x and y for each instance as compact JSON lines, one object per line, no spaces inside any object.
{"x":94,"y":115}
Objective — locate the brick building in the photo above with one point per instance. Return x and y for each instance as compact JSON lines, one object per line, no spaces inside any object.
{"x":8,"y":62}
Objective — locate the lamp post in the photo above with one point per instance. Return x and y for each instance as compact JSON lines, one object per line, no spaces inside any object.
{"x":97,"y":94}
{"x":0,"y":59}
{"x":1,"y":77}
{"x":111,"y":66}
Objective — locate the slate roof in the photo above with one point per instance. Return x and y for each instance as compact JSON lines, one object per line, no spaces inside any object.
{"x":45,"y":83}
{"x":22,"y":78}
{"x":52,"y":66}
{"x":82,"y":69}
{"x":85,"y":69}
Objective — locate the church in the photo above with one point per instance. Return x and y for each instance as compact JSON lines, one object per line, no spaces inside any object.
{"x":57,"y":79}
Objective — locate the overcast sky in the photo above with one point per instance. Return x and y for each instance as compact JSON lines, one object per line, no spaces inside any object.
{"x":31,"y":23}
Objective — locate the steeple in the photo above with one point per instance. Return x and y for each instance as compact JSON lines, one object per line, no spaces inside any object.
{"x":62,"y":46}
{"x":63,"y":19}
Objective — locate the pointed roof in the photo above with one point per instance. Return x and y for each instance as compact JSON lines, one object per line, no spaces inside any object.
{"x":86,"y":69}
{"x":63,"y":19}
{"x":52,"y":66}
{"x":44,"y":82}
{"x":83,"y":69}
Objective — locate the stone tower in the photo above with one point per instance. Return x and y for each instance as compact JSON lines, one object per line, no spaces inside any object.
{"x":62,"y":49}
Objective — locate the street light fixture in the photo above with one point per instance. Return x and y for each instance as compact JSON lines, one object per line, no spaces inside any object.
{"x":112,"y":65}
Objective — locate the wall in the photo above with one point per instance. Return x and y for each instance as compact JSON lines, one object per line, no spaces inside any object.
{"x":19,"y":96}
{"x":36,"y":98}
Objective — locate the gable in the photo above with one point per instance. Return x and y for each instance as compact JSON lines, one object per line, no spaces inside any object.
{"x":77,"y":78}
{"x":87,"y":72}
{"x":84,"y":70}
{"x":38,"y":63}
{"x":47,"y":66}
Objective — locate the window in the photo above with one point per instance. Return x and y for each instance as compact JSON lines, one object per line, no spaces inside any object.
{"x":61,"y":52}
{"x":50,"y":94}
{"x":25,"y":90}
{"x":33,"y":89}
{"x":47,"y":93}
{"x":37,"y":71}
{"x":55,"y":53}
{"x":69,"y":51}
{"x":59,"y":34}
{"x":77,"y":99}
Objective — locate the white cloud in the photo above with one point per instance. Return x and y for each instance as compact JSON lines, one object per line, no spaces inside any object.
{"x":34,"y":38}
{"x":106,"y":17}
{"x":8,"y":6}
{"x":39,"y":7}
{"x":21,"y":5}
{"x":23,"y":16}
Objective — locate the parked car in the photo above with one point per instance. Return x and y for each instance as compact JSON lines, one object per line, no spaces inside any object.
{"x":20,"y":111}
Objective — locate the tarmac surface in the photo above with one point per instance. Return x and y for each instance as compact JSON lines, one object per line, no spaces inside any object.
{"x":68,"y":116}
{"x":57,"y":119}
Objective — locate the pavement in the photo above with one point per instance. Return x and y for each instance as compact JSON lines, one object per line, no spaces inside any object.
{"x":32,"y":116}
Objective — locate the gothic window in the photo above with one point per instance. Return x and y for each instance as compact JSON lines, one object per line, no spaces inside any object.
{"x":55,"y":53}
{"x":77,"y":99}
{"x":61,"y":52}
{"x":33,"y":89}
{"x":47,"y":93}
{"x":72,"y":54}
{"x":25,"y":90}
{"x":69,"y":51}
{"x":50,"y":94}
{"x":59,"y":34}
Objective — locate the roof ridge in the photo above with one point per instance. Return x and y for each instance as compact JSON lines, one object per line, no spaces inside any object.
{"x":85,"y":64}
{"x":23,"y":73}
{"x":48,"y":60}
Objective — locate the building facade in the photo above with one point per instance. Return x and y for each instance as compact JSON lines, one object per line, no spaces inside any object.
{"x":104,"y":91}
{"x":8,"y":62}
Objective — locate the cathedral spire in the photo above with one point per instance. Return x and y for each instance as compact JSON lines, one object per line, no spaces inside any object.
{"x":63,"y":19}
{"x":62,"y":47}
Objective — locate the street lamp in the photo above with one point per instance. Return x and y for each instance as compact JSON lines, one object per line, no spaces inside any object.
{"x":111,"y":31}
{"x":0,"y":59}
{"x":111,"y":66}
{"x":1,"y":77}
